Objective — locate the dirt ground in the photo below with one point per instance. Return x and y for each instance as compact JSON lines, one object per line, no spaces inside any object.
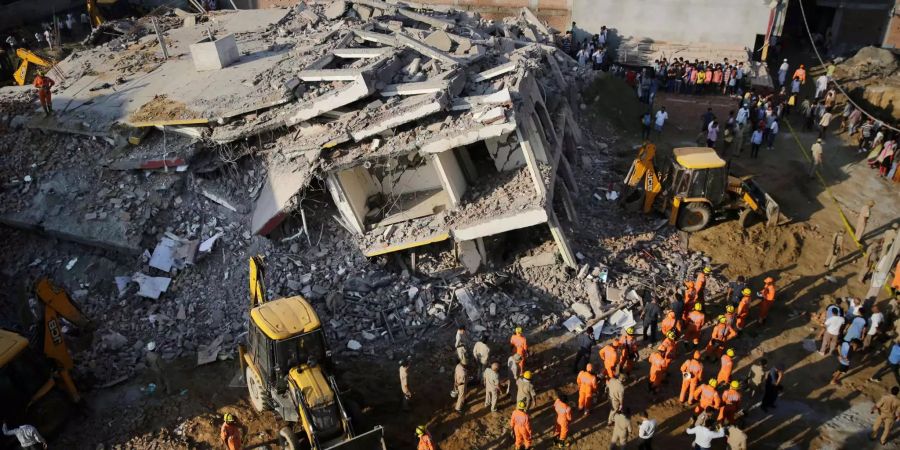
{"x":810,"y":414}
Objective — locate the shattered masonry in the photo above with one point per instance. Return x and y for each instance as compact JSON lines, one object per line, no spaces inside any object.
{"x":425,"y":125}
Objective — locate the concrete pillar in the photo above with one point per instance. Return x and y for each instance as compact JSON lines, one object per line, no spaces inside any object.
{"x":561,"y":241}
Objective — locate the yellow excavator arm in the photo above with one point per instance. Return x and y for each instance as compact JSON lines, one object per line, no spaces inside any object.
{"x":642,"y":169}
{"x":58,"y":304}
{"x":28,"y":58}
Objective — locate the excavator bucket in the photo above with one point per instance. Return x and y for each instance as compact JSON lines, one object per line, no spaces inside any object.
{"x":370,"y":440}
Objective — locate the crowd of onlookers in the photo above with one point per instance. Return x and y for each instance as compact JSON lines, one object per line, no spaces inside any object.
{"x":592,"y":52}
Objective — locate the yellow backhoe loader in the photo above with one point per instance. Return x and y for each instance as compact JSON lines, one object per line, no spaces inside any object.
{"x":28,"y":58}
{"x":286,"y":365}
{"x":34,"y":383}
{"x":696,"y":188}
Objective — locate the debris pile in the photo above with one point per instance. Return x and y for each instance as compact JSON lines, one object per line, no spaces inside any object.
{"x":871,"y":77}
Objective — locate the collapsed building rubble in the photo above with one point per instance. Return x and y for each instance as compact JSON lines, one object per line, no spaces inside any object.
{"x":421,"y":127}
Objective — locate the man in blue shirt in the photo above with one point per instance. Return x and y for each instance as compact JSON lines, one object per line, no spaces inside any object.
{"x":856,"y":327}
{"x":844,"y":359}
{"x":891,"y":365}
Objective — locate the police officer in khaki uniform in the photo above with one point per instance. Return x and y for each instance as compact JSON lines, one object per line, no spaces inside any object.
{"x":888,"y":411}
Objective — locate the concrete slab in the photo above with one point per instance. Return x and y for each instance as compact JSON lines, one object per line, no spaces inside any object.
{"x":275,"y":198}
{"x":501,"y":224}
{"x":100,"y":101}
{"x":495,"y":72}
{"x":356,"y":53}
{"x":408,"y":110}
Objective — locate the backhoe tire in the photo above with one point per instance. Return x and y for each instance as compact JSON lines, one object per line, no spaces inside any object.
{"x":258,"y":395}
{"x":289,"y":439}
{"x":694,"y":217}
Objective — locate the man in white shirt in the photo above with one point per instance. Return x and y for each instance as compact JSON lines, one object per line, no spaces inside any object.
{"x":782,"y":72}
{"x":703,"y":436}
{"x":773,"y":131}
{"x":28,"y":436}
{"x":875,"y":321}
{"x":833,"y":326}
{"x":824,"y":122}
{"x":661,"y":117}
{"x":816,"y":162}
{"x":460,"y":344}
{"x":821,"y":85}
{"x":645,"y":431}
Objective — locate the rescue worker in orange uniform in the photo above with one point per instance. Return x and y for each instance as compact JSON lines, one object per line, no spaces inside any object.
{"x":587,"y":387}
{"x":425,"y":441}
{"x":563,"y":418}
{"x":519,"y":346}
{"x":670,"y":323}
{"x":707,"y":395}
{"x":628,"y":351}
{"x":700,"y":284}
{"x":743,"y":310}
{"x":690,"y":297}
{"x":721,"y":334}
{"x":609,"y":354}
{"x":691,"y":374}
{"x":521,"y":427}
{"x":694,"y":325}
{"x":657,"y":371}
{"x":731,"y":403}
{"x":768,"y":299}
{"x":667,"y":348}
{"x":727,"y":364}
{"x":730,"y":317}
{"x":231,"y":433}
{"x":43,"y":84}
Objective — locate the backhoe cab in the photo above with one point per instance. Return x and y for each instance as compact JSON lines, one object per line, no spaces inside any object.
{"x":698,"y":187}
{"x":286,"y":365}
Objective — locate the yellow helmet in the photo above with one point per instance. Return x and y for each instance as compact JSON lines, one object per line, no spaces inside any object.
{"x":670,"y":335}
{"x":712,"y":382}
{"x":730,"y":352}
{"x":229,"y":418}
{"x":729,"y":308}
{"x":629,"y":330}
{"x":527,"y":375}
{"x":707,"y":269}
{"x":518,"y":330}
{"x":520,"y":406}
{"x":746,"y":291}
{"x":698,"y":307}
{"x":420,"y":430}
{"x":722,"y":319}
{"x":735,"y":384}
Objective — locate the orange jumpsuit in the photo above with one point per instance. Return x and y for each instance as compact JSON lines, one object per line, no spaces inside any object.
{"x":425,"y":442}
{"x":231,"y":435}
{"x":563,"y":417}
{"x":707,"y":396}
{"x":670,"y":323}
{"x":724,"y":375}
{"x":690,"y":297}
{"x":800,"y":73}
{"x":629,"y":350}
{"x":667,"y":348}
{"x":768,"y":299}
{"x":657,"y":369}
{"x":731,"y":403}
{"x":43,"y":84}
{"x":695,"y":322}
{"x":700,"y":284}
{"x":691,"y":374}
{"x":587,"y":386}
{"x":610,"y":358}
{"x":729,"y":320}
{"x":521,"y":428}
{"x":520,"y":346}
{"x":721,"y":334}
{"x":743,"y":311}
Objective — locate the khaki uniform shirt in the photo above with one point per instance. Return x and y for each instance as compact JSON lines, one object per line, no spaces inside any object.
{"x":888,"y":406}
{"x":459,"y":375}
{"x":621,"y":429}
{"x":737,"y":439}
{"x":481,"y":352}
{"x":616,"y":391}
{"x":524,"y":391}
{"x":491,"y":380}
{"x":404,"y":381}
